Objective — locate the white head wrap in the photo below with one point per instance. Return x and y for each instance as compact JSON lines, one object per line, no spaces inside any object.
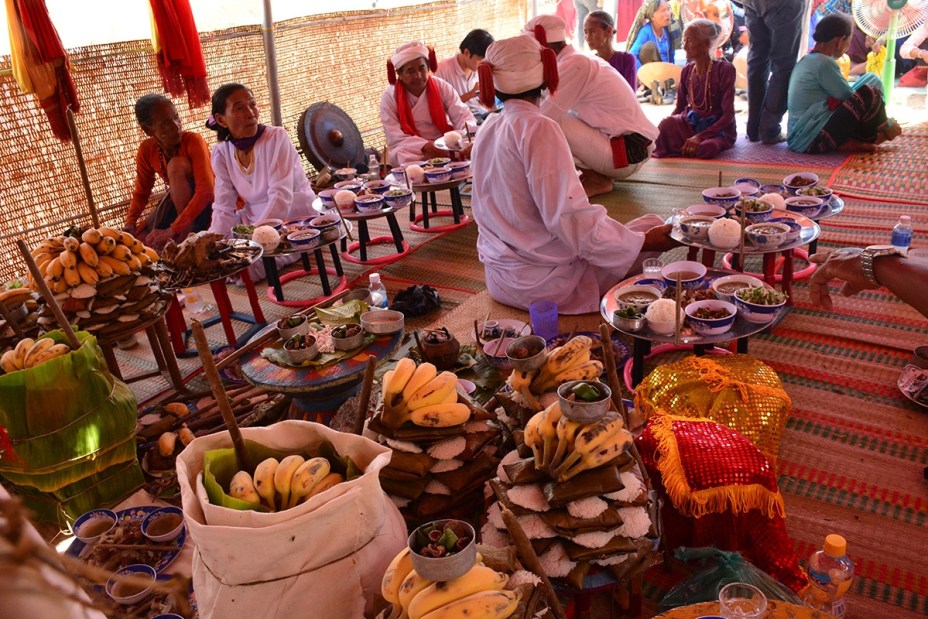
{"x":555,"y":28}
{"x":409,"y":51}
{"x":516,"y":64}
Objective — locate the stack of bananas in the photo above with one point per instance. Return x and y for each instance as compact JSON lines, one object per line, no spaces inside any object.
{"x":441,"y":455}
{"x":29,"y":353}
{"x":101,"y":277}
{"x":481,"y":592}
{"x":565,"y":363}
{"x":280,"y":485}
{"x":578,"y":493}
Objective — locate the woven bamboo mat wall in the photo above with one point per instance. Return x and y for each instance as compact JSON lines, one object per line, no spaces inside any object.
{"x":339,"y":57}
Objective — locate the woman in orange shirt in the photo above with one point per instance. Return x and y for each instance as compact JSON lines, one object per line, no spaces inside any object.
{"x":181,"y":158}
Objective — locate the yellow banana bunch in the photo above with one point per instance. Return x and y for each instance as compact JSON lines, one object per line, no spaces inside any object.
{"x":595,"y":444}
{"x":440,"y":594}
{"x":588,"y":370}
{"x":293,"y":480}
{"x":411,"y":586}
{"x":547,"y":429}
{"x":441,"y":415}
{"x":29,"y":353}
{"x":566,"y":434}
{"x":604,"y":454}
{"x":520,"y":381}
{"x":574,"y":353}
{"x":396,"y":573}
{"x":264,"y":482}
{"x":242,"y":487}
{"x":440,"y":390}
{"x":533,"y":438}
{"x":395,"y":411}
{"x":100,"y":253}
{"x":421,"y":395}
{"x":306,"y":477}
{"x":284,"y":475}
{"x":483,"y":605}
{"x":424,"y":373}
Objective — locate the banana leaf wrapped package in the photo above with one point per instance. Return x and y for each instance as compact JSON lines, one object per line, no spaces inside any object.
{"x":71,"y":425}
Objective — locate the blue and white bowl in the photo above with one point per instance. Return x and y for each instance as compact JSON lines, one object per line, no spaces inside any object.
{"x":90,"y":526}
{"x":327,"y":197}
{"x":345,"y":174}
{"x":696,"y":227}
{"x":400,"y":200}
{"x":637,"y":289}
{"x":748,"y":181}
{"x":399,"y":175}
{"x":371,"y":203}
{"x":131,"y":594}
{"x":747,"y":190}
{"x":328,"y":225}
{"x":378,"y":186}
{"x":800,"y":180}
{"x":807,"y":206}
{"x":780,"y":189}
{"x":459,"y":169}
{"x":825,"y":193}
{"x":706,"y":210}
{"x":753,"y":312}
{"x":754,"y":217}
{"x":304,"y":239}
{"x":766,"y":235}
{"x":438,"y":175}
{"x":711,"y":326}
{"x":438,"y":162}
{"x":354,"y":186}
{"x":277,"y":224}
{"x":660,"y":284}
{"x":722,"y":284}
{"x":150,"y":527}
{"x":696,"y":273}
{"x":795,"y":228}
{"x":721,"y":196}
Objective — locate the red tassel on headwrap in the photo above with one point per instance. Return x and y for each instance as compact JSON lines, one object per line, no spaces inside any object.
{"x":433,"y":61}
{"x":487,"y":88}
{"x":549,"y":67}
{"x":391,"y":73}
{"x":540,"y":35}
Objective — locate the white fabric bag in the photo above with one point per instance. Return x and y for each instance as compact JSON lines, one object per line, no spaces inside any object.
{"x":324,"y":558}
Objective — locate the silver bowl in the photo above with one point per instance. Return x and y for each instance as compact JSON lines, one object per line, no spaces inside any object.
{"x":580,"y":411}
{"x":533,"y":361}
{"x":440,"y":569}
{"x":382,"y":322}
{"x":628,"y":324}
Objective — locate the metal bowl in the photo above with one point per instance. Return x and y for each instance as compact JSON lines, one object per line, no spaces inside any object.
{"x":536,"y":345}
{"x":381,"y":322}
{"x":628,"y":324}
{"x":441,"y":569}
{"x":580,"y":411}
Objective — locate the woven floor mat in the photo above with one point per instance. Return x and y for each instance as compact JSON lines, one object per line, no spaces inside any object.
{"x":700,"y":174}
{"x":896,"y":172}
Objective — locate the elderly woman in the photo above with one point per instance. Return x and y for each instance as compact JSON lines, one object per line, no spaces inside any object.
{"x":825,"y":113}
{"x":703,"y":123}
{"x":253,"y":163}
{"x":181,"y":159}
{"x":599,"y":32}
{"x":417,"y":108}
{"x":655,"y":34}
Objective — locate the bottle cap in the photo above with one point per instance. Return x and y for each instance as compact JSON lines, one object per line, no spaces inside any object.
{"x":835,"y":545}
{"x":905,"y":219}
{"x":375,"y":278}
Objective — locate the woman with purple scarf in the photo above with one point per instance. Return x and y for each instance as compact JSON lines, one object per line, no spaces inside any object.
{"x":703,"y":123}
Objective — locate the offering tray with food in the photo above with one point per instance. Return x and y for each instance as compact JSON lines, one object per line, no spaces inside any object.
{"x":353,"y":214}
{"x":203,"y":258}
{"x":808,"y":233}
{"x":322,"y":336}
{"x":332,"y":230}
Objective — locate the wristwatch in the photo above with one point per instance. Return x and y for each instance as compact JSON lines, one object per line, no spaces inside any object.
{"x":876,"y":251}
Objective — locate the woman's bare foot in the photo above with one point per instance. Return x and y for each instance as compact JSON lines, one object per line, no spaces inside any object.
{"x":594,"y":183}
{"x":856,"y":146}
{"x":891,"y":132}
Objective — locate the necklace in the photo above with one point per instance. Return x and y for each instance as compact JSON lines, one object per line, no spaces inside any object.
{"x":706,"y":104}
{"x":242,"y":155}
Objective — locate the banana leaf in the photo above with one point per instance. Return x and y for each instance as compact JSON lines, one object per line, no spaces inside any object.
{"x":220,"y":465}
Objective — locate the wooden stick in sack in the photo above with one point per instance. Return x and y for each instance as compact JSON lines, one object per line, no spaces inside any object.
{"x":612,"y":375}
{"x":365,"y":400}
{"x":49,"y":297}
{"x":219,"y":392}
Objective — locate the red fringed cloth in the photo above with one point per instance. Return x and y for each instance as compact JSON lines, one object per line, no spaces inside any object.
{"x":180,"y":58}
{"x":719,"y":490}
{"x":40,"y":63}
{"x":436,"y":108}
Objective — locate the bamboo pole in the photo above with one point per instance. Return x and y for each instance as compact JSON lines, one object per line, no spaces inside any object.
{"x":612,"y":374}
{"x":219,"y":393}
{"x":741,"y":243}
{"x":47,"y":293}
{"x":270,"y":59}
{"x":82,"y":166}
{"x":676,"y":316}
{"x":365,"y":399}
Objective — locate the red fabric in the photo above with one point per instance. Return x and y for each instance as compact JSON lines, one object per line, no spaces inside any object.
{"x":180,"y":62}
{"x":834,"y":103}
{"x":625,"y":12}
{"x":436,"y":108}
{"x":487,"y":87}
{"x":714,"y":456}
{"x":42,"y":34}
{"x":619,"y":154}
{"x":549,"y":66}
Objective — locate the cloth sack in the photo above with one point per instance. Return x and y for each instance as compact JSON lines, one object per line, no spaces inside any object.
{"x":324,"y":558}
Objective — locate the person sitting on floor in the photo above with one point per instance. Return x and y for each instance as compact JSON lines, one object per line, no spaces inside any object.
{"x":181,"y":159}
{"x":460,"y":70}
{"x":608,"y":133}
{"x":655,"y":34}
{"x":825,"y":113}
{"x":539,"y":236}
{"x":255,"y":162}
{"x":703,"y":123}
{"x":599,"y":32}
{"x":417,"y":108}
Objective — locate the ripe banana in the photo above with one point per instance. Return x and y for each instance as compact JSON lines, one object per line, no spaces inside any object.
{"x":22,"y":347}
{"x":588,"y":370}
{"x":394,"y":381}
{"x":395,"y":575}
{"x":436,"y":595}
{"x":104,"y":270}
{"x":306,"y":477}
{"x":329,"y":481}
{"x":121,"y":252}
{"x":112,"y":233}
{"x":8,"y":361}
{"x":178,"y":409}
{"x":284,"y":475}
{"x":573,"y":353}
{"x":440,"y":415}
{"x":481,"y":605}
{"x":40,"y":346}
{"x":71,"y":244}
{"x":186,"y":435}
{"x":152,"y":254}
{"x":566,"y":434}
{"x":242,"y":487}
{"x":92,"y":236}
{"x":88,"y":254}
{"x":88,"y":274}
{"x":264,"y":482}
{"x":119,"y":267}
{"x":58,"y":286}
{"x":436,"y":391}
{"x":105,"y":246}
{"x":135,"y":264}
{"x":412,"y":585}
{"x":533,"y":439}
{"x":48,"y":354}
{"x":588,"y":441}
{"x":68,"y":258}
{"x":521,"y":381}
{"x":604,"y":454}
{"x":547,"y":429}
{"x":420,"y":377}
{"x":54,"y":270}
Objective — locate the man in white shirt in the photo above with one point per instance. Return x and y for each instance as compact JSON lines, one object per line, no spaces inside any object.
{"x":460,"y":70}
{"x":609,"y":135}
{"x":539,"y":236}
{"x":418,"y":108}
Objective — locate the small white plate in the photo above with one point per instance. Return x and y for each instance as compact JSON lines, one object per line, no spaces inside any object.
{"x":467,"y":386}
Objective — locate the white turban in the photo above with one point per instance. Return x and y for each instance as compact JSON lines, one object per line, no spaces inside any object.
{"x":554,"y":26}
{"x":409,"y":51}
{"x":516,"y":64}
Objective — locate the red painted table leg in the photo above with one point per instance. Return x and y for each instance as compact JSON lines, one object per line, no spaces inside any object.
{"x":787,"y":280}
{"x":252,"y":296}
{"x":224,"y":305}
{"x":177,"y":326}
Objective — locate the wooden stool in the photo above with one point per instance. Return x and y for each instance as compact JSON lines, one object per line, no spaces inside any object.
{"x":429,"y":199}
{"x":160,"y":342}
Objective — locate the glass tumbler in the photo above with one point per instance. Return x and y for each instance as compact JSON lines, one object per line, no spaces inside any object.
{"x":740,"y":600}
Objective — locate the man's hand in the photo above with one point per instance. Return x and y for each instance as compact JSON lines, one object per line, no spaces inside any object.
{"x":465,"y":152}
{"x":157,"y":238}
{"x":842,"y":264}
{"x":689,"y":147}
{"x":470,"y":94}
{"x":658,"y":239}
{"x":430,"y":151}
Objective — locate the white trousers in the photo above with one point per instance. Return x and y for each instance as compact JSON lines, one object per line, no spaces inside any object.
{"x":592,"y":150}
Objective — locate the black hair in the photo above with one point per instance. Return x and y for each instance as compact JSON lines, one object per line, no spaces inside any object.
{"x":833,"y":26}
{"x":605,"y":19}
{"x":557,"y":46}
{"x":220,"y":95}
{"x":476,"y":42}
{"x":145,"y":107}
{"x":534,"y":93}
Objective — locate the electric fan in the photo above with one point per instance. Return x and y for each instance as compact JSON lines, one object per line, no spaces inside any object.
{"x":889,"y":20}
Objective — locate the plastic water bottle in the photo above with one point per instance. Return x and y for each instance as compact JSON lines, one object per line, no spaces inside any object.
{"x":378,"y":292}
{"x":902,"y":233}
{"x":373,"y":168}
{"x":830,"y":575}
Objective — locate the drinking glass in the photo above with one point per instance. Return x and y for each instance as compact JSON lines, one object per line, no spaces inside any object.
{"x":198,"y":305}
{"x":739,"y":600}
{"x":652,"y":267}
{"x":543,"y":315}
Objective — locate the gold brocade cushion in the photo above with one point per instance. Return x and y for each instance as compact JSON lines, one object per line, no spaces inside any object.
{"x":735,"y":390}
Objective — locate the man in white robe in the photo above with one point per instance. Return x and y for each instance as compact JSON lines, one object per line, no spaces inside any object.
{"x":418,"y":108}
{"x":596,"y":109}
{"x":460,"y":70}
{"x":539,"y":236}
